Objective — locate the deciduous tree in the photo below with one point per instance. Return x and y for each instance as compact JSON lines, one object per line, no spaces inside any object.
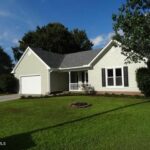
{"x":54,"y":37}
{"x":132,"y":29}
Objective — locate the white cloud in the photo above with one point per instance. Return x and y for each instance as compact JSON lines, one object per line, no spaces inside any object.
{"x":102,"y":39}
{"x":97,"y":40}
{"x":110,"y":35}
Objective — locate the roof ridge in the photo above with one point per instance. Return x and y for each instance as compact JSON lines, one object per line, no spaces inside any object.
{"x":56,"y":60}
{"x":34,"y":48}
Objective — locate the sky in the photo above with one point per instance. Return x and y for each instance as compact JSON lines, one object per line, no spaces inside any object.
{"x":20,"y":16}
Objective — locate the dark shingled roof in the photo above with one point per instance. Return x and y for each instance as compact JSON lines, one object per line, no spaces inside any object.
{"x":77,"y":59}
{"x":53,"y":60}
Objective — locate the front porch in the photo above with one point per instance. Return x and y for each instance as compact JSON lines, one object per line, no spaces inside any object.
{"x":78,"y":80}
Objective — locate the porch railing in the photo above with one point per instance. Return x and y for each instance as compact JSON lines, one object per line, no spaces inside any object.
{"x":77,"y":86}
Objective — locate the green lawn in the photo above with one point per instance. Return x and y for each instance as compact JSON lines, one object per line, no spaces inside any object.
{"x":115,"y":123}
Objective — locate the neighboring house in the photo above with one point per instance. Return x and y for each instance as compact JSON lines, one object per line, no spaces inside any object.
{"x":42,"y":72}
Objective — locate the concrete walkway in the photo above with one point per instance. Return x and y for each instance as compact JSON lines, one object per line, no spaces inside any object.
{"x":9,"y":97}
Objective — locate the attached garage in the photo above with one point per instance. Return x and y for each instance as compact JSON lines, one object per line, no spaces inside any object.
{"x":30,"y":84}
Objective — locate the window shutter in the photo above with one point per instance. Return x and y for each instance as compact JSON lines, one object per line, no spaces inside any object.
{"x":103,"y":78}
{"x":126,"y":78}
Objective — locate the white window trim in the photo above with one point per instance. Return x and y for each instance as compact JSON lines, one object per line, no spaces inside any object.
{"x":114,"y":77}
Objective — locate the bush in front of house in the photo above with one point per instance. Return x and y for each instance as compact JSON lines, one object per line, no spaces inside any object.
{"x":8,"y":84}
{"x":143,"y":80}
{"x":89,"y":90}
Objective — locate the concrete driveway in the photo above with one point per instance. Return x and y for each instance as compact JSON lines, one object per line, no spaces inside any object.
{"x":9,"y":97}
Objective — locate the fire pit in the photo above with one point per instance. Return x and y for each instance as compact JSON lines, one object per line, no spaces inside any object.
{"x":80,"y":105}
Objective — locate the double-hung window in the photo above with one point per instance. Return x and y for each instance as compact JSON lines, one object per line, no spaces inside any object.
{"x":119,"y":76}
{"x":110,"y":77}
{"x":114,"y":76}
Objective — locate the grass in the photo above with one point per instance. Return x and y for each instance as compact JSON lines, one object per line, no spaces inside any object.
{"x":49,"y":123}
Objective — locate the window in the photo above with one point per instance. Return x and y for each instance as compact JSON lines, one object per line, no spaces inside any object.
{"x":114,"y":77}
{"x":110,"y":77}
{"x":118,"y":77}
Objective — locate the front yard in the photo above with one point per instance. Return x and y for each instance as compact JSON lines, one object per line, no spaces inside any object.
{"x":49,"y":123}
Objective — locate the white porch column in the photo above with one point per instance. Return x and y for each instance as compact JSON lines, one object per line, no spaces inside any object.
{"x":69,"y":79}
{"x":84,"y":77}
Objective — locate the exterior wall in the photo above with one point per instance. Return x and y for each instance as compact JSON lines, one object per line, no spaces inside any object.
{"x":113,"y":58}
{"x":59,"y":81}
{"x":30,"y":65}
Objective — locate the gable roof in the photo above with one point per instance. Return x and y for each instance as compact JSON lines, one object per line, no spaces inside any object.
{"x":77,"y":59}
{"x":23,"y":55}
{"x":53,"y":60}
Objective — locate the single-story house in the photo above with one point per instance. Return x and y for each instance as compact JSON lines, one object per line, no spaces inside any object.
{"x":41,"y":72}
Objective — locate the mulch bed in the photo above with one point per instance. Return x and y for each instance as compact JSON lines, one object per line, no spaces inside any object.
{"x":80,"y":105}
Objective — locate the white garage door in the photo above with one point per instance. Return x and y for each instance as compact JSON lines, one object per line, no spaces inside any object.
{"x":30,"y":85}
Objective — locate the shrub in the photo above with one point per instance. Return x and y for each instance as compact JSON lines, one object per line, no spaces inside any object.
{"x":143,"y":80}
{"x":89,"y":90}
{"x":8,"y":83}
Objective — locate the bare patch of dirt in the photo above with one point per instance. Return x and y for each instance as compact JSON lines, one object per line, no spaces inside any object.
{"x":80,"y":105}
